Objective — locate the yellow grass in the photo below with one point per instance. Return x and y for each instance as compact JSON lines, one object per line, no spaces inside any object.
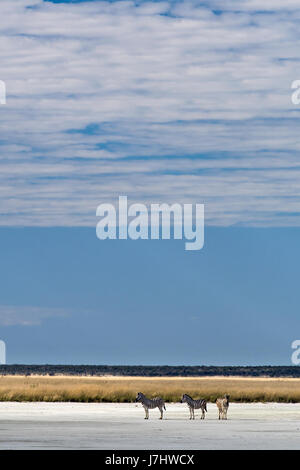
{"x":124,"y":389}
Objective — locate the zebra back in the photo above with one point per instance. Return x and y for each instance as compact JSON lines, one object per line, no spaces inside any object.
{"x":223,"y":403}
{"x":196,"y":404}
{"x":156,"y":402}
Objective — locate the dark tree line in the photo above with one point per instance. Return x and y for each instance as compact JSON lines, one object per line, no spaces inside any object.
{"x":151,"y":371}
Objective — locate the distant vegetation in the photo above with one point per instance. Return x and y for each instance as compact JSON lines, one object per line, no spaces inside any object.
{"x":124,"y":389}
{"x":151,"y":371}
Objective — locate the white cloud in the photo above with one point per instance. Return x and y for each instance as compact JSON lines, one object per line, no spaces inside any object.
{"x":11,"y":315}
{"x":200,"y":102}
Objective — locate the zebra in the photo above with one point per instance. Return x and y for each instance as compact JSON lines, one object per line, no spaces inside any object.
{"x":150,"y":404}
{"x":194,"y":405}
{"x":223,"y":405}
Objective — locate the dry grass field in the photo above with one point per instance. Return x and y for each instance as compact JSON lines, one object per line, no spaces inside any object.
{"x":124,"y":389}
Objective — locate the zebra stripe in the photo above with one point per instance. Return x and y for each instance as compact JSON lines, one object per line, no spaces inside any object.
{"x":194,"y":405}
{"x":151,"y":404}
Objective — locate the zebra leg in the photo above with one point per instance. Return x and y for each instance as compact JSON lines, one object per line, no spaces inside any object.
{"x":193,"y":413}
{"x":161,"y":413}
{"x":203,"y":414}
{"x":190,"y":410}
{"x":146,"y":413}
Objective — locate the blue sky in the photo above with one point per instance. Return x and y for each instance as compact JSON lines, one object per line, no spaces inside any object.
{"x":149,"y":302}
{"x":162,"y":102}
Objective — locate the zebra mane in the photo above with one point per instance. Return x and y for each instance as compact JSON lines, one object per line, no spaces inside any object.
{"x":186,"y":395}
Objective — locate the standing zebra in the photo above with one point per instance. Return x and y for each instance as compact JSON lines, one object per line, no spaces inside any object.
{"x":194,"y":404}
{"x":150,"y":404}
{"x":223,"y":405}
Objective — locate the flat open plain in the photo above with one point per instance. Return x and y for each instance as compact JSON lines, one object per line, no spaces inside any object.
{"x":121,"y":426}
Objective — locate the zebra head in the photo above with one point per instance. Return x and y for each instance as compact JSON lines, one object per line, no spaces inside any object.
{"x":139,"y":397}
{"x":183,"y":399}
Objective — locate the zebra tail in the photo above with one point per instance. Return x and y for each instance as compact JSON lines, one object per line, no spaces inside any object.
{"x":165,"y":407}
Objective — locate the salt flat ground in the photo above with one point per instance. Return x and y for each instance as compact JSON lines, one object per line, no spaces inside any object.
{"x":121,"y":426}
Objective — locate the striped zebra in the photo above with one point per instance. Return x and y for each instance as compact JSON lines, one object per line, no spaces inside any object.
{"x":194,"y":405}
{"x":223,"y":405}
{"x":150,"y":404}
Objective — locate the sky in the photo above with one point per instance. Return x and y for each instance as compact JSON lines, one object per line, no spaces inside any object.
{"x":163,"y":102}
